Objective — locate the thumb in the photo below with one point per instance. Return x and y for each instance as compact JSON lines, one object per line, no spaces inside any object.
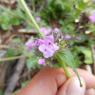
{"x":72,"y":87}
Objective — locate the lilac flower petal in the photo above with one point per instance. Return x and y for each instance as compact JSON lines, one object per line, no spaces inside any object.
{"x":50,"y":37}
{"x":67,"y":37}
{"x":42,"y":48}
{"x":41,"y":61}
{"x":38,"y":19}
{"x":47,"y":51}
{"x":48,"y":42}
{"x":29,"y":44}
{"x":45,"y":30}
{"x":39,"y":42}
{"x":48,"y":54}
{"x":55,"y":47}
{"x":92,"y":18}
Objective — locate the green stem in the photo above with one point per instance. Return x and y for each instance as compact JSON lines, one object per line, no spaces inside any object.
{"x":27,"y":10}
{"x":59,"y":59}
{"x":66,"y":70}
{"x":10,"y":58}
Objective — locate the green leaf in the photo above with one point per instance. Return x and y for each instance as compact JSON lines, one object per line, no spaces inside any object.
{"x":88,"y":54}
{"x":10,"y":53}
{"x":5,"y":26}
{"x":15,"y":21}
{"x":31,"y":63}
{"x":67,"y":58}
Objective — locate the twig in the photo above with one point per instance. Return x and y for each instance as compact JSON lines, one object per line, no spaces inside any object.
{"x":15,"y":77}
{"x":26,"y":32}
{"x":10,"y":58}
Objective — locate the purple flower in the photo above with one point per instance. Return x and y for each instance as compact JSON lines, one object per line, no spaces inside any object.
{"x":48,"y":48}
{"x":92,"y":18}
{"x":38,"y":19}
{"x":50,"y":38}
{"x":55,"y":47}
{"x":46,"y":40}
{"x":29,"y":44}
{"x":41,"y":61}
{"x":45,"y":30}
{"x":46,"y":51}
{"x":38,"y":42}
{"x":67,"y":37}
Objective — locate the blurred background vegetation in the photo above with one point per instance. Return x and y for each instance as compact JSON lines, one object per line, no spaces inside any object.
{"x":71,"y":17}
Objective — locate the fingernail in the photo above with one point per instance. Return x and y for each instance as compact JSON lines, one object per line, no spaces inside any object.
{"x":74,"y":87}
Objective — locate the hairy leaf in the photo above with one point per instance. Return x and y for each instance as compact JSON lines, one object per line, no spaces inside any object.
{"x":67,"y":58}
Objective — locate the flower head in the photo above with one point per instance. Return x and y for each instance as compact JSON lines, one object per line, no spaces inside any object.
{"x":45,"y":45}
{"x":46,"y":51}
{"x":48,"y":48}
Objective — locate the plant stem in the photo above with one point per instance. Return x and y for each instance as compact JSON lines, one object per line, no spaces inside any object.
{"x":27,"y":10}
{"x":63,"y":64}
{"x":66,"y":70}
{"x":59,"y":59}
{"x":10,"y":58}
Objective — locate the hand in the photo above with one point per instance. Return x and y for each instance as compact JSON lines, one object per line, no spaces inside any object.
{"x":52,"y":81}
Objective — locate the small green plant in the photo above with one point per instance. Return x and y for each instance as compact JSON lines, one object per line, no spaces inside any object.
{"x":46,"y":49}
{"x":65,"y":30}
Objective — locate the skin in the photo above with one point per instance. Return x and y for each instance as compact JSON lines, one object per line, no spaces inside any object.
{"x":53,"y":81}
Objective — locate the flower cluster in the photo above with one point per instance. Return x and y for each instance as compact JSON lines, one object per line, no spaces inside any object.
{"x":45,"y":45}
{"x":48,"y":47}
